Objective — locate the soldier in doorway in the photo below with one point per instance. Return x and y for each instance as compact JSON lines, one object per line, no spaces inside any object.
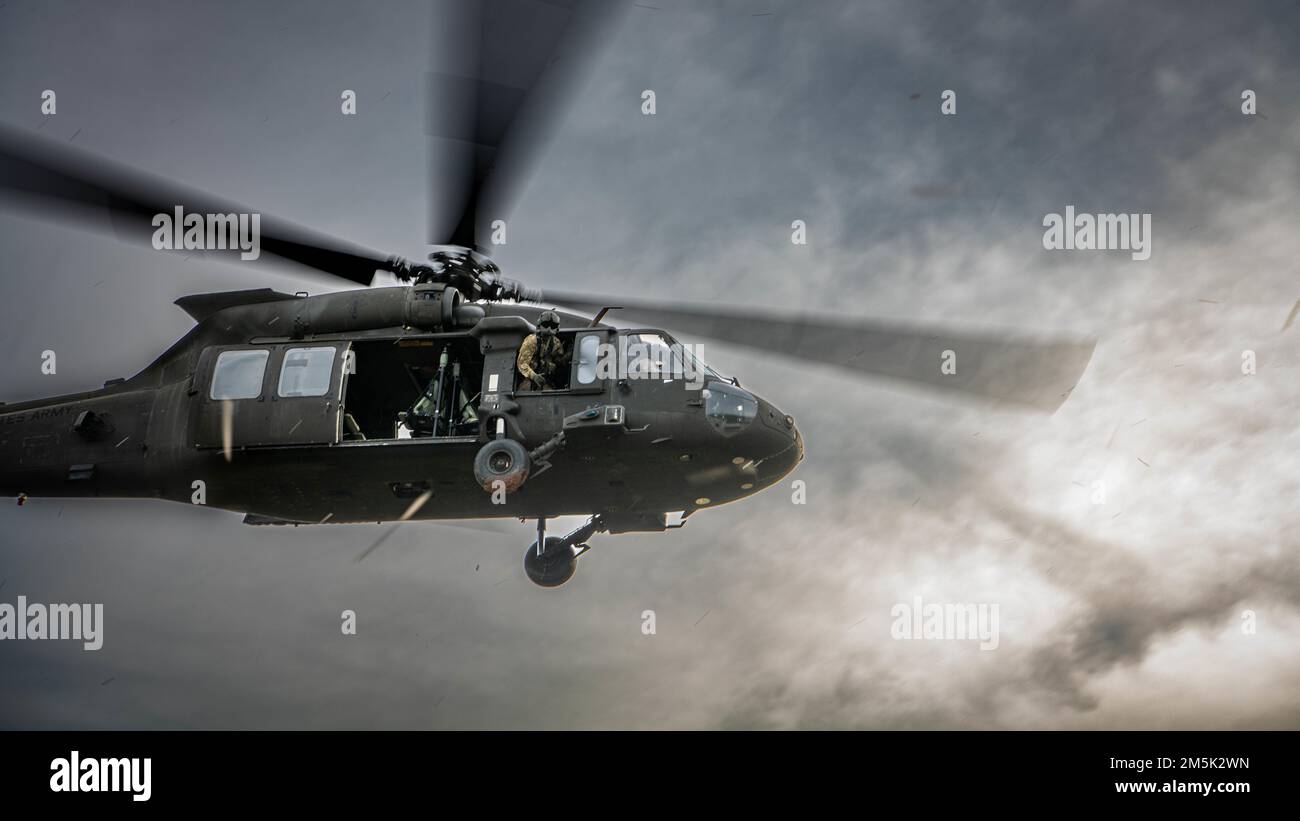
{"x":543,"y":362}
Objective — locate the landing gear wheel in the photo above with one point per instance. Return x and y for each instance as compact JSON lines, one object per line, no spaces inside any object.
{"x":504,"y":461}
{"x":556,"y":564}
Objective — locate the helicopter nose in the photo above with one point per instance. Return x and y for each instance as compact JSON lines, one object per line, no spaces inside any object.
{"x":784,"y":444}
{"x":762,"y":445}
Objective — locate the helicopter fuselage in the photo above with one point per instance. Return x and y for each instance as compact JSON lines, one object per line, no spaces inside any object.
{"x":298,"y":409}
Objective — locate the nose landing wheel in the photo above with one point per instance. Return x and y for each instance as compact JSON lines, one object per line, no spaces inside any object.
{"x":557,"y":560}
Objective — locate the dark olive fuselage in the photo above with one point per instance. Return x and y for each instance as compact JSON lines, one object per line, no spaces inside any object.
{"x":632,"y":447}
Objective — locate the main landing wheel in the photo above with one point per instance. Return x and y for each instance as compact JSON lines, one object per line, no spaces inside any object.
{"x":554,"y":566}
{"x":501,"y":461}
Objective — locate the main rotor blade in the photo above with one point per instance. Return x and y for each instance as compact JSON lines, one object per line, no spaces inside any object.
{"x":72,"y":186}
{"x":1035,"y":373}
{"x":504,"y":72}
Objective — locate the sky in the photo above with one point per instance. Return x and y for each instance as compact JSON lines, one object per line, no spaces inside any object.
{"x":1138,"y":543}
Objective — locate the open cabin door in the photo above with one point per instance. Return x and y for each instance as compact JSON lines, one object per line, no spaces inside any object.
{"x":270,"y":395}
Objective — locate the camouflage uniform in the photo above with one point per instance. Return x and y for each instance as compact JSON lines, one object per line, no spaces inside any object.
{"x":541,"y":358}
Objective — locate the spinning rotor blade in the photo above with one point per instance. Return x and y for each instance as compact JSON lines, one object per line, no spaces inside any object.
{"x":1035,"y":373}
{"x":503,"y":74}
{"x":77,"y":187}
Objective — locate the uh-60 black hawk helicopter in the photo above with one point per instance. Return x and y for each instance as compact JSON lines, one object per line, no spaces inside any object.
{"x":383,"y":404}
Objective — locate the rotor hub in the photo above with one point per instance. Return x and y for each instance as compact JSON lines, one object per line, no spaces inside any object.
{"x":471,"y":273}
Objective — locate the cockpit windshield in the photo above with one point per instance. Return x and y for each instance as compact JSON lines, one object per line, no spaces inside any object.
{"x":658,"y":355}
{"x":699,"y":365}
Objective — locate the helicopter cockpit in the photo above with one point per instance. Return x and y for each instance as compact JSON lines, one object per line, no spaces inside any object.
{"x":655,"y":354}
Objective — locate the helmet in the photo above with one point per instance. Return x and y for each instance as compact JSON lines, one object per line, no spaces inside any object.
{"x":549,"y":319}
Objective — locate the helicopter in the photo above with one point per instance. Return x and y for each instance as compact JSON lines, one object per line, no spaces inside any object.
{"x":406,"y":403}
